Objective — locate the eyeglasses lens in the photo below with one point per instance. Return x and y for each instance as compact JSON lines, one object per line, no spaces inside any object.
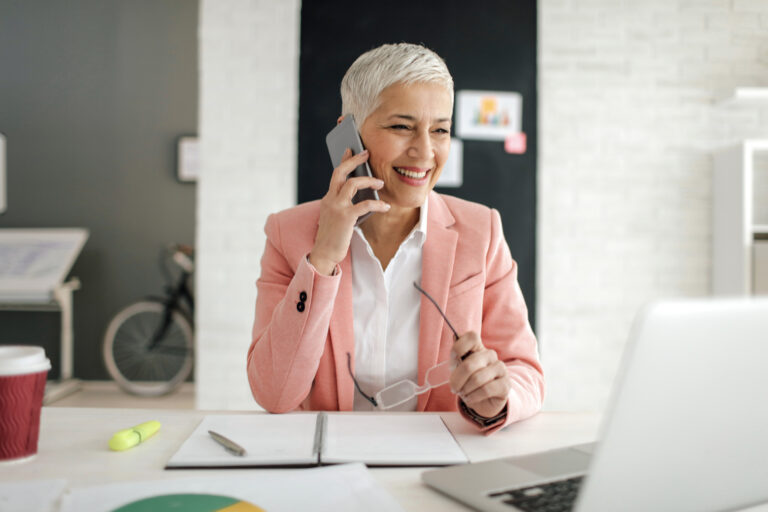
{"x":396,"y":394}
{"x":439,"y":374}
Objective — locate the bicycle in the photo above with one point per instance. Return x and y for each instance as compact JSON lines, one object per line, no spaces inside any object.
{"x":148,"y":345}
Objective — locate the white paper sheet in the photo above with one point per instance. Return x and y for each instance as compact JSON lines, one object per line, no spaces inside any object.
{"x":269,"y":440}
{"x":453,"y":171}
{"x":348,"y":487}
{"x":390,"y":439}
{"x":31,"y":495}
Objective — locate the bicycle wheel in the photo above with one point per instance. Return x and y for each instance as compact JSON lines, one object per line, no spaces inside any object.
{"x":138,"y":367}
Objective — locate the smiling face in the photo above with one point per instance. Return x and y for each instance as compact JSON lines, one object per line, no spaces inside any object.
{"x":409,"y":137}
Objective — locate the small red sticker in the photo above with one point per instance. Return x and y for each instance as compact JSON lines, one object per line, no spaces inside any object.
{"x":515,"y":143}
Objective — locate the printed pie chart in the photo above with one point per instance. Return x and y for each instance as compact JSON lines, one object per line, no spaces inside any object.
{"x":189,"y":503}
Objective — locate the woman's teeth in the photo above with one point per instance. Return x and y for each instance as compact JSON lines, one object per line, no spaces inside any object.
{"x":411,"y":174}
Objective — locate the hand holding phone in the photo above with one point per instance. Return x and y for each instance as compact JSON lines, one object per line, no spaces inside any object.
{"x":345,"y":135}
{"x":350,"y":199}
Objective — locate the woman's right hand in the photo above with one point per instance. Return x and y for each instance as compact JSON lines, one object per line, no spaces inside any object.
{"x":338,"y":215}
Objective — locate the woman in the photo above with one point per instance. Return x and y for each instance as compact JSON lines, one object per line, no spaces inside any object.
{"x":337,"y":315}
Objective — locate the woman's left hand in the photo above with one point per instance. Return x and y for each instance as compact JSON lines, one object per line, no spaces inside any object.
{"x":480,"y":379}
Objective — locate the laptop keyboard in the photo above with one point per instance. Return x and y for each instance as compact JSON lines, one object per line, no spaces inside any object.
{"x":558,"y":496}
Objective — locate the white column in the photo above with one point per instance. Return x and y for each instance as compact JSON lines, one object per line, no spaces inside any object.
{"x":249,"y":53}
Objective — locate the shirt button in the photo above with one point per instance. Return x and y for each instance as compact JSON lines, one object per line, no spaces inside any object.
{"x":303,"y":296}
{"x":300,"y":307}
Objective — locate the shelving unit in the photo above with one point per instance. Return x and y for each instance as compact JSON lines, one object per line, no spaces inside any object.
{"x":35,"y":263}
{"x":738,"y":238}
{"x":744,"y":96}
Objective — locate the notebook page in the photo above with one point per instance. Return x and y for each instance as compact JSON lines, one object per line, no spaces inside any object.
{"x":390,"y":439}
{"x":268,"y":439}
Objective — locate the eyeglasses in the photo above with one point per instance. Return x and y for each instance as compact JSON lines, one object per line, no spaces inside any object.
{"x":402,"y":391}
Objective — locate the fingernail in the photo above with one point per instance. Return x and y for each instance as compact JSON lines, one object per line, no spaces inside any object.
{"x":364,"y":152}
{"x":387,"y":206}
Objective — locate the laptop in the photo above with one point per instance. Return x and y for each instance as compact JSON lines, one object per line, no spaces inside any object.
{"x":686,"y":428}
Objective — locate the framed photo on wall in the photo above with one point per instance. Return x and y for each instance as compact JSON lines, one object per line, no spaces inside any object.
{"x":2,"y":174}
{"x":488,"y":115}
{"x":187,"y":158}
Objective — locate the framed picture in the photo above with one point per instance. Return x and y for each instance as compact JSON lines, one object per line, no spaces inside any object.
{"x":2,"y":173}
{"x":453,"y":170}
{"x":488,"y":115}
{"x":187,"y":158}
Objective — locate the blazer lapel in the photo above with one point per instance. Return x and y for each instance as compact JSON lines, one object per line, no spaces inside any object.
{"x":436,"y":270}
{"x":343,"y":336}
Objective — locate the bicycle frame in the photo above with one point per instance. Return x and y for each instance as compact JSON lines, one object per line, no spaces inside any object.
{"x":175,"y":297}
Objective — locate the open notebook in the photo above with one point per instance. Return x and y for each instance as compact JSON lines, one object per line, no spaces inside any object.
{"x":311,"y":439}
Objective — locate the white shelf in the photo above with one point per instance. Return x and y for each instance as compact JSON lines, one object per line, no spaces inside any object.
{"x":745,"y":96}
{"x":734,"y":229}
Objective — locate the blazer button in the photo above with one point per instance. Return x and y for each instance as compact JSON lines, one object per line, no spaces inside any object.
{"x":303,"y":296}
{"x":300,"y":307}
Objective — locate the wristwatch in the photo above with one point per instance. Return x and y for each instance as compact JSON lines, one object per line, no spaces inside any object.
{"x":482,"y":420}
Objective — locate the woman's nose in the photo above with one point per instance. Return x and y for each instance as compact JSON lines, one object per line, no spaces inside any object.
{"x":421,"y":146}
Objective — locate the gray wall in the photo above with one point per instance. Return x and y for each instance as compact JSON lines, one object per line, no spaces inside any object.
{"x":93,"y":96}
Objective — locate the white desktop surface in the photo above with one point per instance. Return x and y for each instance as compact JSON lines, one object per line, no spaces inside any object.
{"x":73,"y":446}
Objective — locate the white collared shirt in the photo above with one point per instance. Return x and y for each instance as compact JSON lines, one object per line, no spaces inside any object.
{"x":386,"y":314}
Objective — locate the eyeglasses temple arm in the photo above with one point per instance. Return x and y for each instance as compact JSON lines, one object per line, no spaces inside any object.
{"x":428,"y":296}
{"x":357,"y":386}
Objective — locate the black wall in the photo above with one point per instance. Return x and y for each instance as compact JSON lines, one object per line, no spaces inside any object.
{"x":93,"y":95}
{"x":487,"y":45}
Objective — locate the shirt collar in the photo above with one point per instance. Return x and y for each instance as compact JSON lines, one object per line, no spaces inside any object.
{"x":419,"y":231}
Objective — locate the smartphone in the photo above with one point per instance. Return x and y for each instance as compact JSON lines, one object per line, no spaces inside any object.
{"x":343,"y":136}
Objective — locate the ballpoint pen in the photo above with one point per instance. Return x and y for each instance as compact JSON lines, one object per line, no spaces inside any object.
{"x":229,"y":445}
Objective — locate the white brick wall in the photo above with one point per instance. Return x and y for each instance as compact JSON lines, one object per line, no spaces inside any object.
{"x":248,"y":125}
{"x":627,"y":122}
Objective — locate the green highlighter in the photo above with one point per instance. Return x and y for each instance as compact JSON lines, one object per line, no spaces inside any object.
{"x":130,"y":437}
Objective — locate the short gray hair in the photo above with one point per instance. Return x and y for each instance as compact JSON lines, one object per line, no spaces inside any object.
{"x":377,"y":69}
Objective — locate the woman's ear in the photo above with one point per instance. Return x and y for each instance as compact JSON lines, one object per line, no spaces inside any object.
{"x":340,"y":119}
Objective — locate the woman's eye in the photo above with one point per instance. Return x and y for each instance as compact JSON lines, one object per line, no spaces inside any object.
{"x":399,"y":127}
{"x":442,"y":130}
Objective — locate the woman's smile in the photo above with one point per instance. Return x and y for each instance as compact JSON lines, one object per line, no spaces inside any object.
{"x":414,"y":176}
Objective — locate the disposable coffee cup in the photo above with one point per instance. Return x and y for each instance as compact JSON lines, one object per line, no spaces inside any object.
{"x":23,"y":371}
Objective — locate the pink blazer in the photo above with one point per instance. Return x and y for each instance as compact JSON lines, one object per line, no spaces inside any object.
{"x":303,"y":325}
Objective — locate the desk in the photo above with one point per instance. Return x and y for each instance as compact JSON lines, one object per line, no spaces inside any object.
{"x":73,"y":445}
